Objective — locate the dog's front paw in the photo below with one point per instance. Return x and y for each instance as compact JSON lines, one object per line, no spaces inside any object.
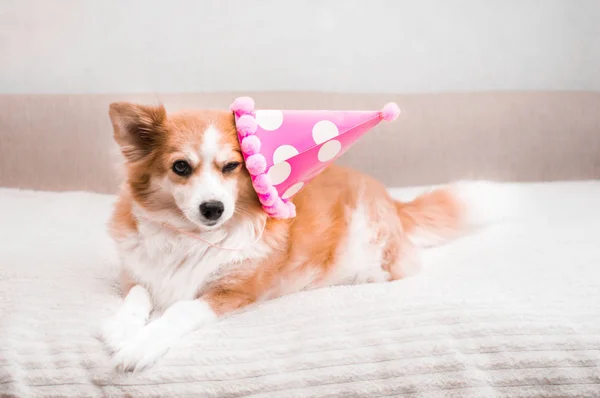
{"x":128,"y":321}
{"x":144,"y":349}
{"x":119,"y":329}
{"x":154,"y":340}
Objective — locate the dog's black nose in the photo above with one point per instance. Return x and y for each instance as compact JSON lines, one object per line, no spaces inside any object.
{"x":212,"y":210}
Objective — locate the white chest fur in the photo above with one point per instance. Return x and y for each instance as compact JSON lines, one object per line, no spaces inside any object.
{"x":174,"y":267}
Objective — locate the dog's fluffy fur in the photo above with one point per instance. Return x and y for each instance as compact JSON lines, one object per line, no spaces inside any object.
{"x":348,"y":230}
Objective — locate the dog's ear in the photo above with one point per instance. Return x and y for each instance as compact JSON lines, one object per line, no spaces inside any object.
{"x":138,"y":129}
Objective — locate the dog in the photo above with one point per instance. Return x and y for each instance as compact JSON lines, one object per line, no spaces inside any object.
{"x":195,"y":244}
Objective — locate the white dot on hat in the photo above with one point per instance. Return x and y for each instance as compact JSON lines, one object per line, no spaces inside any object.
{"x":283,"y":153}
{"x":329,"y":150}
{"x":291,"y":191}
{"x":324,"y":131}
{"x":269,"y":119}
{"x":279,"y":173}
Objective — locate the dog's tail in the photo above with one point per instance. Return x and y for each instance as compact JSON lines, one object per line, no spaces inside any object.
{"x":445,"y":213}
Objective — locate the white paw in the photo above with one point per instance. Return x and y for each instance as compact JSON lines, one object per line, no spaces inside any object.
{"x":155,"y":339}
{"x":128,"y":321}
{"x":120,"y":328}
{"x":143,"y":350}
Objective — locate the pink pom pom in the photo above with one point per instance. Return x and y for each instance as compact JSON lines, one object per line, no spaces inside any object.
{"x":242,"y":106}
{"x":277,"y":210}
{"x":266,"y":199}
{"x":390,"y":112}
{"x":261,"y":183}
{"x":246,"y":125}
{"x":256,"y":164}
{"x":251,"y":145}
{"x":269,"y":198}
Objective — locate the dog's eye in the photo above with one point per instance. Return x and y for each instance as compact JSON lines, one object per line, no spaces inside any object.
{"x":229,"y":167}
{"x":182,"y":168}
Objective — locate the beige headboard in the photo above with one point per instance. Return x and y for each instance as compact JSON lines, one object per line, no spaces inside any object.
{"x":64,"y":142}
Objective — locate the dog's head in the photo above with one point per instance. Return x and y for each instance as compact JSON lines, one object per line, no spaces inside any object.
{"x":186,"y":167}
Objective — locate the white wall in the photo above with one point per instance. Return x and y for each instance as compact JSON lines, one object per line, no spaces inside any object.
{"x":56,"y":46}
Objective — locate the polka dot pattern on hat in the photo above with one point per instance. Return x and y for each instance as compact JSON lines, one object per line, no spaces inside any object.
{"x":283,"y":153}
{"x":329,"y":150}
{"x":285,"y":150}
{"x":291,"y":191}
{"x":323,"y":131}
{"x":269,"y":120}
{"x":279,"y":172}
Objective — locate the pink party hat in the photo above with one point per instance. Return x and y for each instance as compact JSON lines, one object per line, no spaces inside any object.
{"x":285,"y":149}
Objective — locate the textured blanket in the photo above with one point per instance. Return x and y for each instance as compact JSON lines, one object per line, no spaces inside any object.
{"x":513,"y":310}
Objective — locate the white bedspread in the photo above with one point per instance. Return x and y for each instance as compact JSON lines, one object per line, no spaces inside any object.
{"x":512,"y":311}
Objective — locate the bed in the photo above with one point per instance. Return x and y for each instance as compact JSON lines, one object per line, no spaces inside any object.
{"x":513,"y":310}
